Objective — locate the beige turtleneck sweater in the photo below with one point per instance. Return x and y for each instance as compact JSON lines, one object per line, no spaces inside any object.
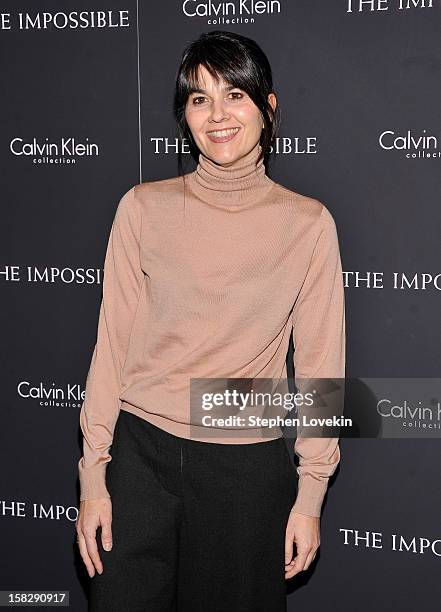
{"x":208,"y":283}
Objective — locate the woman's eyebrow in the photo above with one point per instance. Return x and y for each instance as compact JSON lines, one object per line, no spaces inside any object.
{"x":198,"y":90}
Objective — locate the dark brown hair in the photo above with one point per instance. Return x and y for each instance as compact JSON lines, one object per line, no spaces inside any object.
{"x":240,"y":62}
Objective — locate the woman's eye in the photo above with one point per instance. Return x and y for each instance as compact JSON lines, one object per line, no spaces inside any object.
{"x":198,"y":100}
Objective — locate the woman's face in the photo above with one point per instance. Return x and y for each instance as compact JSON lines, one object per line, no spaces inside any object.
{"x":224,"y":121}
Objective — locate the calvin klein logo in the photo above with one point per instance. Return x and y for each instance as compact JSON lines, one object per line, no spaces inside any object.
{"x":61,"y":151}
{"x":414,"y":145}
{"x":241,"y":11}
{"x":70,"y":396}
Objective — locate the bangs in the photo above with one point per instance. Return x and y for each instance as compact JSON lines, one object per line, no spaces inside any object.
{"x":191,"y":81}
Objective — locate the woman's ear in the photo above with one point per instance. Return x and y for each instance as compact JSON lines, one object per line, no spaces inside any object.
{"x":272,"y":101}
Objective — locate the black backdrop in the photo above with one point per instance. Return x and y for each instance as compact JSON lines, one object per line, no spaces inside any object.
{"x":354,"y":81}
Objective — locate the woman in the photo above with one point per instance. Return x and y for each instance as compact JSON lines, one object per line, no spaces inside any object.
{"x":206,"y":276}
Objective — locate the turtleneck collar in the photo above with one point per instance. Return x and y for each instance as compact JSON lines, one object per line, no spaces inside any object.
{"x":240,"y":183}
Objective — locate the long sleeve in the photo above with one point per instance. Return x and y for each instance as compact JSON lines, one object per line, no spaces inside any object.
{"x":123,"y":278}
{"x":319,"y":340}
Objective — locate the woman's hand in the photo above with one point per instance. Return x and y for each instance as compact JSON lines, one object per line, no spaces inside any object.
{"x":304,"y":531}
{"x":94,"y":513}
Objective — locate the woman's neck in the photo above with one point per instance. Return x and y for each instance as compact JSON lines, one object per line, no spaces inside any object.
{"x":242,"y":182}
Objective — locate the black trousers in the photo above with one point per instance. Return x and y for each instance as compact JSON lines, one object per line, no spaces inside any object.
{"x":197,"y":526}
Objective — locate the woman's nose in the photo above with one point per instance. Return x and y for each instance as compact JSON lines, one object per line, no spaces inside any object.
{"x":218,"y":111}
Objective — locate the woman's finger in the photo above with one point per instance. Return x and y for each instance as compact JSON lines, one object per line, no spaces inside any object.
{"x":299,"y":563}
{"x":310,"y":558}
{"x":92,"y":550}
{"x":84,"y":554}
{"x":106,"y":533}
{"x":288,"y":547}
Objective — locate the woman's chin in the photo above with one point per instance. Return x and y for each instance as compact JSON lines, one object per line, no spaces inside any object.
{"x":223,"y":153}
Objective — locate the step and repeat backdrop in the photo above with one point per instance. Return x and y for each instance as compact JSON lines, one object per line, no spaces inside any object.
{"x":86,"y":112}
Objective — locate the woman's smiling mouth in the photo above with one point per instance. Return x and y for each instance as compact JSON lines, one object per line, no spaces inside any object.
{"x":223,"y":135}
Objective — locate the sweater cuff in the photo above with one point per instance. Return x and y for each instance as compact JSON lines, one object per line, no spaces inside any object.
{"x":92,"y":481}
{"x":310,"y":495}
